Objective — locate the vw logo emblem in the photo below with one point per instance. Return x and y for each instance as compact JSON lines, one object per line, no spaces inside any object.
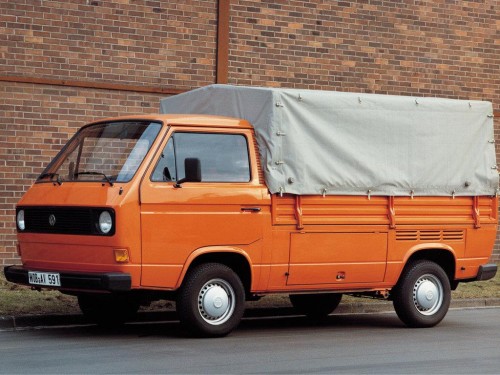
{"x":52,"y":220}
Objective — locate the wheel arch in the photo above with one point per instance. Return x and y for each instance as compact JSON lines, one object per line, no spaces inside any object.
{"x":441,"y":254}
{"x":233,"y":257}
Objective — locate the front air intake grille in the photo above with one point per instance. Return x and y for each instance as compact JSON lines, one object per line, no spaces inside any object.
{"x":64,"y":220}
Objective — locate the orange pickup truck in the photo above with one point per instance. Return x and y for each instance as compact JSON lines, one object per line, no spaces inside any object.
{"x":178,"y":207}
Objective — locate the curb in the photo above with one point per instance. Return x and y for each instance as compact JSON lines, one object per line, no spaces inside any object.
{"x":62,"y":320}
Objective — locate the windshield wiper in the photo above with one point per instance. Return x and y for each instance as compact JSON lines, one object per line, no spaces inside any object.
{"x":93,"y":173}
{"x":50,"y":175}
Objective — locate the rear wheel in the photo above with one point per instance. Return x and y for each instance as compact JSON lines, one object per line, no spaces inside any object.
{"x":211,"y":300}
{"x":422,"y":296}
{"x":109,"y":309}
{"x":315,"y":305}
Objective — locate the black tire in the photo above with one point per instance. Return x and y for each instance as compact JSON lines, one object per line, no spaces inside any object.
{"x":315,"y":306}
{"x":211,"y":300}
{"x":109,"y":310}
{"x":422,"y":296}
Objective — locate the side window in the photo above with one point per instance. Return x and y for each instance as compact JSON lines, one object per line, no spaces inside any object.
{"x":223,"y":157}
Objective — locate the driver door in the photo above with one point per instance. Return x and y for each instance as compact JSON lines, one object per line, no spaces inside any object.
{"x":219,"y":213}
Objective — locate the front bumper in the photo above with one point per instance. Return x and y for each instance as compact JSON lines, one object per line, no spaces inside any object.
{"x":486,"y":272}
{"x":105,"y":282}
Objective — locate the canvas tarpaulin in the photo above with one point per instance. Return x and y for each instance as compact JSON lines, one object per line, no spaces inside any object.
{"x":326,"y":142}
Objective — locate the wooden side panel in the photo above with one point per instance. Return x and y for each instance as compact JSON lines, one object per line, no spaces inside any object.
{"x":359,"y":210}
{"x":283,"y":210}
{"x":443,"y":210}
{"x":331,"y":210}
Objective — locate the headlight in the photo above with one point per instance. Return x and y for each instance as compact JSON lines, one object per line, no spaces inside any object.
{"x":20,"y":220}
{"x":105,"y":222}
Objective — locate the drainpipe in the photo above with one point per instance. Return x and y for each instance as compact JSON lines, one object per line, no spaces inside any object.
{"x":222,"y":60}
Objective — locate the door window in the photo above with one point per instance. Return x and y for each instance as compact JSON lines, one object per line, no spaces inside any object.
{"x":223,"y":157}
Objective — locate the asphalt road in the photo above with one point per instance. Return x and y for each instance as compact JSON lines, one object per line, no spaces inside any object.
{"x":467,"y":341}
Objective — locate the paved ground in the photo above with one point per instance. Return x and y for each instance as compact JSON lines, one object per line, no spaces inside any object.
{"x":465,"y":342}
{"x":20,"y":322}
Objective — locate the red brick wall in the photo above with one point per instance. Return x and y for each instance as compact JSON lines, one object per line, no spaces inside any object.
{"x":152,"y":43}
{"x":431,"y":48}
{"x":425,"y":48}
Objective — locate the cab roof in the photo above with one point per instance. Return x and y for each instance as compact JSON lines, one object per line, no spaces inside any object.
{"x":185,"y":120}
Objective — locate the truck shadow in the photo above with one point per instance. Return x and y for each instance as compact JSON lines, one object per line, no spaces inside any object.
{"x":266,"y":325}
{"x":380,"y":320}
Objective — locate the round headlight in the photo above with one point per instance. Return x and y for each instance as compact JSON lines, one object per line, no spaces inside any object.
{"x":105,"y":222}
{"x":20,"y":220}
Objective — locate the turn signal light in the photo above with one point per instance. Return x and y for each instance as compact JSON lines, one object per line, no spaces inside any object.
{"x":121,"y":256}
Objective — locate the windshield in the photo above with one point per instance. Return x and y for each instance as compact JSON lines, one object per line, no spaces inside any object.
{"x":106,"y":152}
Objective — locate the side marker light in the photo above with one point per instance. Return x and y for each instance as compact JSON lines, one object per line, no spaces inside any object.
{"x":121,"y":256}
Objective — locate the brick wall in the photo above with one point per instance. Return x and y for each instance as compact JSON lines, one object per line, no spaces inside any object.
{"x":432,"y":48}
{"x":142,"y":42}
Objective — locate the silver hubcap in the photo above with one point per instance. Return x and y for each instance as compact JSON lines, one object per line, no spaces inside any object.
{"x":428,"y":294}
{"x":216,"y":301}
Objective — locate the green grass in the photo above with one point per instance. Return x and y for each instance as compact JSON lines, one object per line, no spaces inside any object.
{"x":21,"y":300}
{"x":479,"y":289}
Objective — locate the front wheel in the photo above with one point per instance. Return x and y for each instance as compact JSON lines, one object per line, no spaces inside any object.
{"x":211,"y":300}
{"x":422,"y":296}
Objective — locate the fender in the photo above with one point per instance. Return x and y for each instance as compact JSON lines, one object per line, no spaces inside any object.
{"x":208,"y":250}
{"x":428,"y":246}
{"x":422,"y":247}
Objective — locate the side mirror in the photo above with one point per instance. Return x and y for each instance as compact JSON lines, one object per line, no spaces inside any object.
{"x":192,"y":169}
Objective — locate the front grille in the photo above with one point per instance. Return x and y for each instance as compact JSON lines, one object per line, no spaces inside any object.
{"x":64,"y":220}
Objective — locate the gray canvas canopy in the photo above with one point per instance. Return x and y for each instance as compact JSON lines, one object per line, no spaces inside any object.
{"x":325,"y":142}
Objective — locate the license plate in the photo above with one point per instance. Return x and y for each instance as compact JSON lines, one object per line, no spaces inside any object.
{"x":44,"y":278}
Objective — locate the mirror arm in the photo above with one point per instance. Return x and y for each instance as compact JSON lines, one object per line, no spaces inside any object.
{"x":178,"y":183}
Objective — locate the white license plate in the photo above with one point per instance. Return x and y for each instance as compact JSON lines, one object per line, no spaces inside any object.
{"x":44,"y":278}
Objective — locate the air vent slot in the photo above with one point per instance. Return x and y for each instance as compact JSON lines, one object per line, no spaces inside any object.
{"x":430,"y":235}
{"x":453,"y":235}
{"x":406,"y":235}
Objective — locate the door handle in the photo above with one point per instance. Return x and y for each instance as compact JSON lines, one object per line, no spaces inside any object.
{"x":250,"y":209}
